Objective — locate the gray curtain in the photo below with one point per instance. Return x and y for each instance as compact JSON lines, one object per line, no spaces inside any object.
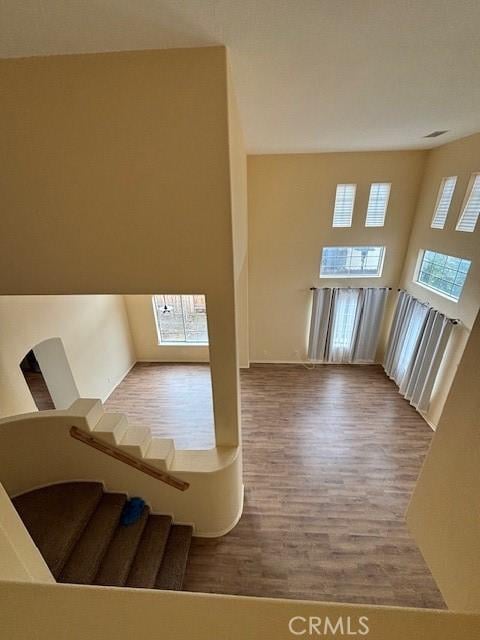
{"x":417,"y":341}
{"x":368,"y":324}
{"x":407,"y":324}
{"x":418,"y":382}
{"x":345,"y":324}
{"x":319,"y":323}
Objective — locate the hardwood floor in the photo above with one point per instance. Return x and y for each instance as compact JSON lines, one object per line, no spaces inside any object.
{"x":331,"y":456}
{"x":39,"y":390}
{"x":174,"y":400}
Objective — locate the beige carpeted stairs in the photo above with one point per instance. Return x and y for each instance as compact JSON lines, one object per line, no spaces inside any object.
{"x":76,"y":527}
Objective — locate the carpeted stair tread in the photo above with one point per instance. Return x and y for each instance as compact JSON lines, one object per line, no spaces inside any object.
{"x":174,"y":563}
{"x":150,"y":552}
{"x":84,"y":561}
{"x":56,"y":516}
{"x":119,"y":556}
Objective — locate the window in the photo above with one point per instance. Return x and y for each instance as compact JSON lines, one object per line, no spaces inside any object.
{"x":444,"y":199}
{"x":442,"y":273}
{"x":377,"y":204}
{"x":181,"y":319}
{"x":471,"y":208}
{"x":344,"y":201}
{"x":352,"y":262}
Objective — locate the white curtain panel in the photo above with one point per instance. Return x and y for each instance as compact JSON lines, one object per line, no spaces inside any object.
{"x":408,"y":321}
{"x":371,"y":309}
{"x":345,"y":324}
{"x":417,"y":384}
{"x":418,"y":338}
{"x":319,"y":323}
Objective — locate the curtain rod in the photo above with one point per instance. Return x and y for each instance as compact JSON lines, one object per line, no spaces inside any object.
{"x":427,"y":304}
{"x":315,"y":288}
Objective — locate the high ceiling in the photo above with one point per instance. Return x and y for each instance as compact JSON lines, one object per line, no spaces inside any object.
{"x":310,"y":75}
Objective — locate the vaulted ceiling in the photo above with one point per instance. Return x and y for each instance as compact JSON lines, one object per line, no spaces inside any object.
{"x":310,"y":75}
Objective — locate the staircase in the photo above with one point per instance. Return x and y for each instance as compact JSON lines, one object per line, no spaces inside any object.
{"x":76,"y":526}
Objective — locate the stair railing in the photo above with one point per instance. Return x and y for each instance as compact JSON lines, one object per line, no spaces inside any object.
{"x":126,"y":458}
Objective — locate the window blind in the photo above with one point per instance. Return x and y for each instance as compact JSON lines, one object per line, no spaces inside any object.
{"x":471,"y":210}
{"x":377,"y":204}
{"x":344,"y":202}
{"x":444,"y":200}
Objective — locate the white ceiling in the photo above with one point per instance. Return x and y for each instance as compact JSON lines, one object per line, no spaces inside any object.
{"x":310,"y":75}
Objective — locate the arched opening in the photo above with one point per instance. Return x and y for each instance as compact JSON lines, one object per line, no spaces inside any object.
{"x":48,"y":375}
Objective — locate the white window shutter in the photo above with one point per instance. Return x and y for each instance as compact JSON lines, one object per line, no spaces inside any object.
{"x":471,"y":209}
{"x":344,"y":203}
{"x":377,"y":204}
{"x":444,"y":200}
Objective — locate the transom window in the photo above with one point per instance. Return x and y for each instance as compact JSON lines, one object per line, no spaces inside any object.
{"x":471,"y":208}
{"x":377,"y":204}
{"x":181,"y":319}
{"x":444,"y":200}
{"x":352,"y":262}
{"x":442,"y":273}
{"x":344,"y":202}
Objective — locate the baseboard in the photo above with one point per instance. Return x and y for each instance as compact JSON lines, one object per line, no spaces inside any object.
{"x":316,"y":362}
{"x":279,"y":362}
{"x":161,"y":361}
{"x":121,"y":379}
{"x":432,"y":426}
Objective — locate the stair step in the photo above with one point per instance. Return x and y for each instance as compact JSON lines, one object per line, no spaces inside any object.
{"x":84,"y":561}
{"x":56,"y":517}
{"x":119,"y":556}
{"x":150,"y":552}
{"x":174,"y":563}
{"x":111,"y":427}
{"x":136,"y":440}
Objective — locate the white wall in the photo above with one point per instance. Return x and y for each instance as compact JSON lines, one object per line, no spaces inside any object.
{"x":444,"y":513}
{"x":117,"y":178}
{"x":145,"y":338}
{"x":291,"y":200}
{"x":459,"y":158}
{"x":58,"y":376}
{"x":95,"y":334}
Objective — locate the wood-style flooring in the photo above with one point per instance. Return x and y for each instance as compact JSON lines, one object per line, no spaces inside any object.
{"x":39,"y":390}
{"x":331,"y":456}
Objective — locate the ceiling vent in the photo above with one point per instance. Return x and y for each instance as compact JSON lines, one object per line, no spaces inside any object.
{"x":435,"y":134}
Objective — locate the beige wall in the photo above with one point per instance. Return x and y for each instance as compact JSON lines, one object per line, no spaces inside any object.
{"x":238,"y":181}
{"x":291,"y":201}
{"x":444,"y":511}
{"x":116,"y":176}
{"x":77,"y":612}
{"x":212,"y":504}
{"x":460,"y":158}
{"x":95,"y":334}
{"x":145,"y":337}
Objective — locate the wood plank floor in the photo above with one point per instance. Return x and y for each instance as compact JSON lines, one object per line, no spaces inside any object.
{"x":331,"y":456}
{"x":39,"y":390}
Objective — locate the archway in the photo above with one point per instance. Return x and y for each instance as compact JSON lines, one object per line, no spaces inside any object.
{"x":48,"y":375}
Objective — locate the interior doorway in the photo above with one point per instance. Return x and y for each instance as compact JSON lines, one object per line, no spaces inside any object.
{"x":48,"y":375}
{"x":36,"y":382}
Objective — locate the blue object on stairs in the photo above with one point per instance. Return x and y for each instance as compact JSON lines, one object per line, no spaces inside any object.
{"x":132,"y":511}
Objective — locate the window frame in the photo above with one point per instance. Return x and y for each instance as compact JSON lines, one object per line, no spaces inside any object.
{"x":468,"y":194}
{"x":171,"y":343}
{"x":332,"y":276}
{"x":418,"y":269}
